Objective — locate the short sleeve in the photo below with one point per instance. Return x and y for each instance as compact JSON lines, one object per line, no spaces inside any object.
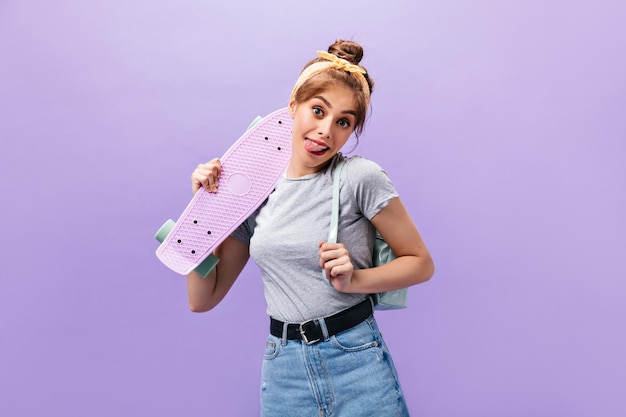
{"x":370,"y":185}
{"x":244,"y":231}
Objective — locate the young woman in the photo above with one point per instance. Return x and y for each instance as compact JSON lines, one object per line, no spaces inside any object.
{"x":348,"y":371}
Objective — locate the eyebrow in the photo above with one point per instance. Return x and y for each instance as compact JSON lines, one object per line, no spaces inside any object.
{"x":352,"y":112}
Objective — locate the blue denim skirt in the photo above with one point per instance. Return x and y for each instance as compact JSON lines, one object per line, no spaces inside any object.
{"x":350,"y":374}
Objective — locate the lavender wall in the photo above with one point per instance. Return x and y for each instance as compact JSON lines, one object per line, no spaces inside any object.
{"x":502,"y":124}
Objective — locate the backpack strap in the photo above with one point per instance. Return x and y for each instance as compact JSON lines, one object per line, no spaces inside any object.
{"x":334,"y":213}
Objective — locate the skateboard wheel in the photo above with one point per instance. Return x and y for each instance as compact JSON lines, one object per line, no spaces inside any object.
{"x":207,"y":265}
{"x":165,"y":230}
{"x":254,"y":122}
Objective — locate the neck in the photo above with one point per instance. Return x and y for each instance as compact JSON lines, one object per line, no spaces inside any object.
{"x":297,"y":172}
{"x":293,"y":172}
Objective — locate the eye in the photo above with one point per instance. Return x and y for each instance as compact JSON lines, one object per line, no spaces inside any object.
{"x":344,"y":123}
{"x":317,"y":110}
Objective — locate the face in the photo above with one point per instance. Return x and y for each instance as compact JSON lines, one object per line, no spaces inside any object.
{"x":321,"y":126}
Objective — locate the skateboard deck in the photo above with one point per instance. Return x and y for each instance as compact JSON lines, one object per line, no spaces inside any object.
{"x":251,"y":167}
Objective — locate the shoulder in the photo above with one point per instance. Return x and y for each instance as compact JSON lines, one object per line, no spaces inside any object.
{"x":367,"y":185}
{"x":360,"y":162}
{"x":359,"y":169}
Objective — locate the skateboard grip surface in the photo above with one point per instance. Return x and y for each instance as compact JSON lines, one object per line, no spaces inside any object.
{"x":250,"y":170}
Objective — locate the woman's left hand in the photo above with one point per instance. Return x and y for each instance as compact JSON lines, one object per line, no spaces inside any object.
{"x":335,"y":260}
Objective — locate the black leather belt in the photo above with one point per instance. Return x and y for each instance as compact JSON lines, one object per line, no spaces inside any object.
{"x":310,"y":332}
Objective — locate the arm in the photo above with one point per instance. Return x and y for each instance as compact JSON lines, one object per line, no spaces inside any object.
{"x":413,"y":263}
{"x":206,"y":293}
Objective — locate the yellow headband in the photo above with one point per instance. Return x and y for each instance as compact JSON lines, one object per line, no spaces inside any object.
{"x":332,"y":61}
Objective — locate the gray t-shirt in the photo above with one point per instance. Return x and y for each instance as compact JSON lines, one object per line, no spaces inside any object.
{"x":296,"y":218}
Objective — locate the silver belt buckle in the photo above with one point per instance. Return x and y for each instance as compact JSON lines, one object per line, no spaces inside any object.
{"x":315,"y":325}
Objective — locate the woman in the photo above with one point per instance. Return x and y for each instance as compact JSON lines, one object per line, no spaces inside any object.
{"x":324,"y":355}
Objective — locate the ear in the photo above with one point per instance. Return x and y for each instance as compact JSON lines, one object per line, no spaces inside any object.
{"x":292,"y":108}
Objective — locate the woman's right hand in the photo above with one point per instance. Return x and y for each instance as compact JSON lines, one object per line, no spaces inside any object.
{"x":207,"y":176}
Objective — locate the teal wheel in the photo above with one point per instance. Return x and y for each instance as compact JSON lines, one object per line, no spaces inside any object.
{"x":207,"y":265}
{"x":254,"y":122}
{"x":165,"y":230}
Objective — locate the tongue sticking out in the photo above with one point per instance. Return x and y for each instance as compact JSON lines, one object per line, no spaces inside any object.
{"x":314,"y":147}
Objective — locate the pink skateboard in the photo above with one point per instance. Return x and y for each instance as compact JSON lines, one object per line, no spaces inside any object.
{"x":250,"y":170}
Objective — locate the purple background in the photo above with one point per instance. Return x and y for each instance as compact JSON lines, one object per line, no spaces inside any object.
{"x":502,"y":124}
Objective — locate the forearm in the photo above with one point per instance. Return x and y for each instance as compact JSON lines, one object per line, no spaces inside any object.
{"x":413,"y":264}
{"x":205,"y":293}
{"x":201,"y":292}
{"x":402,"y":272}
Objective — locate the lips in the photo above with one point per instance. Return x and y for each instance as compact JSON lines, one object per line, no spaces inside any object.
{"x":315,"y":147}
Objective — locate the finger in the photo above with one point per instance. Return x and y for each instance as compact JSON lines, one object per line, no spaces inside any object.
{"x":328,"y":247}
{"x":335,"y":266}
{"x":197,"y":181}
{"x":214,"y":178}
{"x":199,"y":176}
{"x":207,"y":175}
{"x":339,"y":271}
{"x":210,"y":184}
{"x":329,"y":254}
{"x":339,"y":266}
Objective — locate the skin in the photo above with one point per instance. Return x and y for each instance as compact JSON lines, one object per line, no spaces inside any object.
{"x":322,"y":126}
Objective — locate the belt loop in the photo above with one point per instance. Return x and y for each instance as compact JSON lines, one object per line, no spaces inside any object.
{"x":284,"y":336}
{"x":372,"y":303}
{"x":324,"y":329}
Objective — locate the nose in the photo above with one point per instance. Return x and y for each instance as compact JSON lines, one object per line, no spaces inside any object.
{"x":324,"y":127}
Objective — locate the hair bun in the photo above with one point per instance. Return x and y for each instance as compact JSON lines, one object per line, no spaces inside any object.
{"x":348,"y":50}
